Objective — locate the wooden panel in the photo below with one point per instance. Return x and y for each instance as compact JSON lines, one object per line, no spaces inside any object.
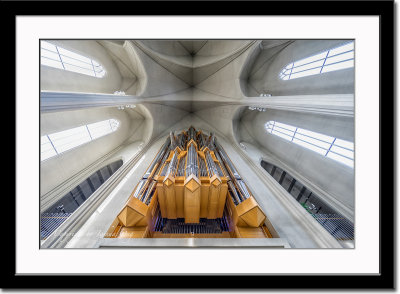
{"x":254,"y":217}
{"x":151,"y":212}
{"x":204,"y":190}
{"x":113,"y":229}
{"x":161,"y":235}
{"x":246,"y":205}
{"x":133,"y":212}
{"x":233,"y":215}
{"x":179,"y":198}
{"x":169,"y":198}
{"x":267,"y":233}
{"x":171,"y":202}
{"x":222,"y":199}
{"x":213,"y":198}
{"x":192,"y":200}
{"x":247,"y":232}
{"x":237,"y":233}
{"x":132,"y":232}
{"x":161,"y":199}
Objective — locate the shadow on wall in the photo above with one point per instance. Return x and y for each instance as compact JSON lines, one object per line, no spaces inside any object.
{"x":264,"y":73}
{"x":332,"y":221}
{"x":53,"y":217}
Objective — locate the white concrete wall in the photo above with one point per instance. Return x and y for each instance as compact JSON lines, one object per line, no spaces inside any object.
{"x":264,"y":77}
{"x":331,"y":176}
{"x":171,"y":104}
{"x":54,"y":79}
{"x":225,"y":79}
{"x":57,"y":169}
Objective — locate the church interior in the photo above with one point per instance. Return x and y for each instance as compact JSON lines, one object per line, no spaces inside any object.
{"x":197,"y":143}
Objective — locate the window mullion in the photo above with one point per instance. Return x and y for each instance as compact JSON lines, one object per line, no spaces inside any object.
{"x":90,"y":135}
{"x":288,"y":73}
{"x":52,"y":144}
{"x":326,"y":57}
{"x":75,"y":64}
{"x":91,"y":61}
{"x":291,"y":70}
{"x":294,"y":134}
{"x":59,"y":56}
{"x":327,"y":151}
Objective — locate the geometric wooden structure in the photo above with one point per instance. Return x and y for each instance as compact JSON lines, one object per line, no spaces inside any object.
{"x":191,"y":184}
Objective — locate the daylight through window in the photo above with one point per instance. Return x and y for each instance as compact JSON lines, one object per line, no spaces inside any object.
{"x":334,"y":148}
{"x":57,"y":57}
{"x":334,"y":59}
{"x":56,"y":143}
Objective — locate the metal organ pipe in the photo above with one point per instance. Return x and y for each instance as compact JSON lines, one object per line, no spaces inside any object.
{"x":235,"y":195}
{"x":181,"y":167}
{"x":182,"y":141}
{"x":201,"y":140}
{"x":157,"y":160}
{"x":227,"y":162}
{"x":139,"y":188}
{"x":172,"y":165}
{"x":191,"y":165}
{"x":149,"y":191}
{"x":234,"y":175}
{"x":211,"y":165}
{"x":172,"y":139}
{"x":221,"y":165}
{"x":211,"y":144}
{"x":191,"y":134}
{"x":203,"y":168}
{"x":243,"y":189}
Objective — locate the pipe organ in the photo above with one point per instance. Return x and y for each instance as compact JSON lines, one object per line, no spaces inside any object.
{"x":191,"y":189}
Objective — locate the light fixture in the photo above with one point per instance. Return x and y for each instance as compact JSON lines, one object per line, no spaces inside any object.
{"x":119,"y":93}
{"x":262,"y":109}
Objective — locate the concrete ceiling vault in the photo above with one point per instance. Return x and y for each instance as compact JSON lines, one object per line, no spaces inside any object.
{"x":209,"y":83}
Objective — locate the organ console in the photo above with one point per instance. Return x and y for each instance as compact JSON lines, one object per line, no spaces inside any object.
{"x":191,"y":189}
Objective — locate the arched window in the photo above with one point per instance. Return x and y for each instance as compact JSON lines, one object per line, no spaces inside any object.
{"x":334,"y":59}
{"x":57,"y":57}
{"x":334,"y":148}
{"x":56,"y":143}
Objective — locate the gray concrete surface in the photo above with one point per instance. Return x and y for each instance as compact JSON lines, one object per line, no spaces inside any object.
{"x":230,"y":76}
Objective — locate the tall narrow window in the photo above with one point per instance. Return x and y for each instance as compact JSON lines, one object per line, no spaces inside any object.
{"x":332,"y":221}
{"x":334,"y":148}
{"x":334,"y":59}
{"x":56,"y":143}
{"x":59,"y":212}
{"x":57,"y":57}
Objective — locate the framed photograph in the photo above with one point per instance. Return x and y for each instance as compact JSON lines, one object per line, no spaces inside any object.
{"x":187,"y":142}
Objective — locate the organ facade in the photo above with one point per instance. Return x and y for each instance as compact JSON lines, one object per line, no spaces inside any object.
{"x":191,"y":189}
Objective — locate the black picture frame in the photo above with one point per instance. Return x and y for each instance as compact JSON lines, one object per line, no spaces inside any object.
{"x":383,"y":9}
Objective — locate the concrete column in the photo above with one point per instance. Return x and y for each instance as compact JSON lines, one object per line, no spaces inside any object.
{"x":61,"y":101}
{"x":335,"y":104}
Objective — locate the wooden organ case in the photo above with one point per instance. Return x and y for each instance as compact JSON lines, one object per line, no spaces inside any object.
{"x":191,"y":190}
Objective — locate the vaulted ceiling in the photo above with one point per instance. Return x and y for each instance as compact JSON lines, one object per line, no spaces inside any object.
{"x":206,"y":83}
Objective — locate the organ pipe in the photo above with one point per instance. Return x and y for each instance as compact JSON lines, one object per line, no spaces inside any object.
{"x":191,"y":165}
{"x":158,"y":158}
{"x":211,"y":165}
{"x":172,"y":139}
{"x":191,"y":134}
{"x":172,"y":165}
{"x":185,"y":186}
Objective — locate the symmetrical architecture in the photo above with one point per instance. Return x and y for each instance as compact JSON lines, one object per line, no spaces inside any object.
{"x":199,"y":143}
